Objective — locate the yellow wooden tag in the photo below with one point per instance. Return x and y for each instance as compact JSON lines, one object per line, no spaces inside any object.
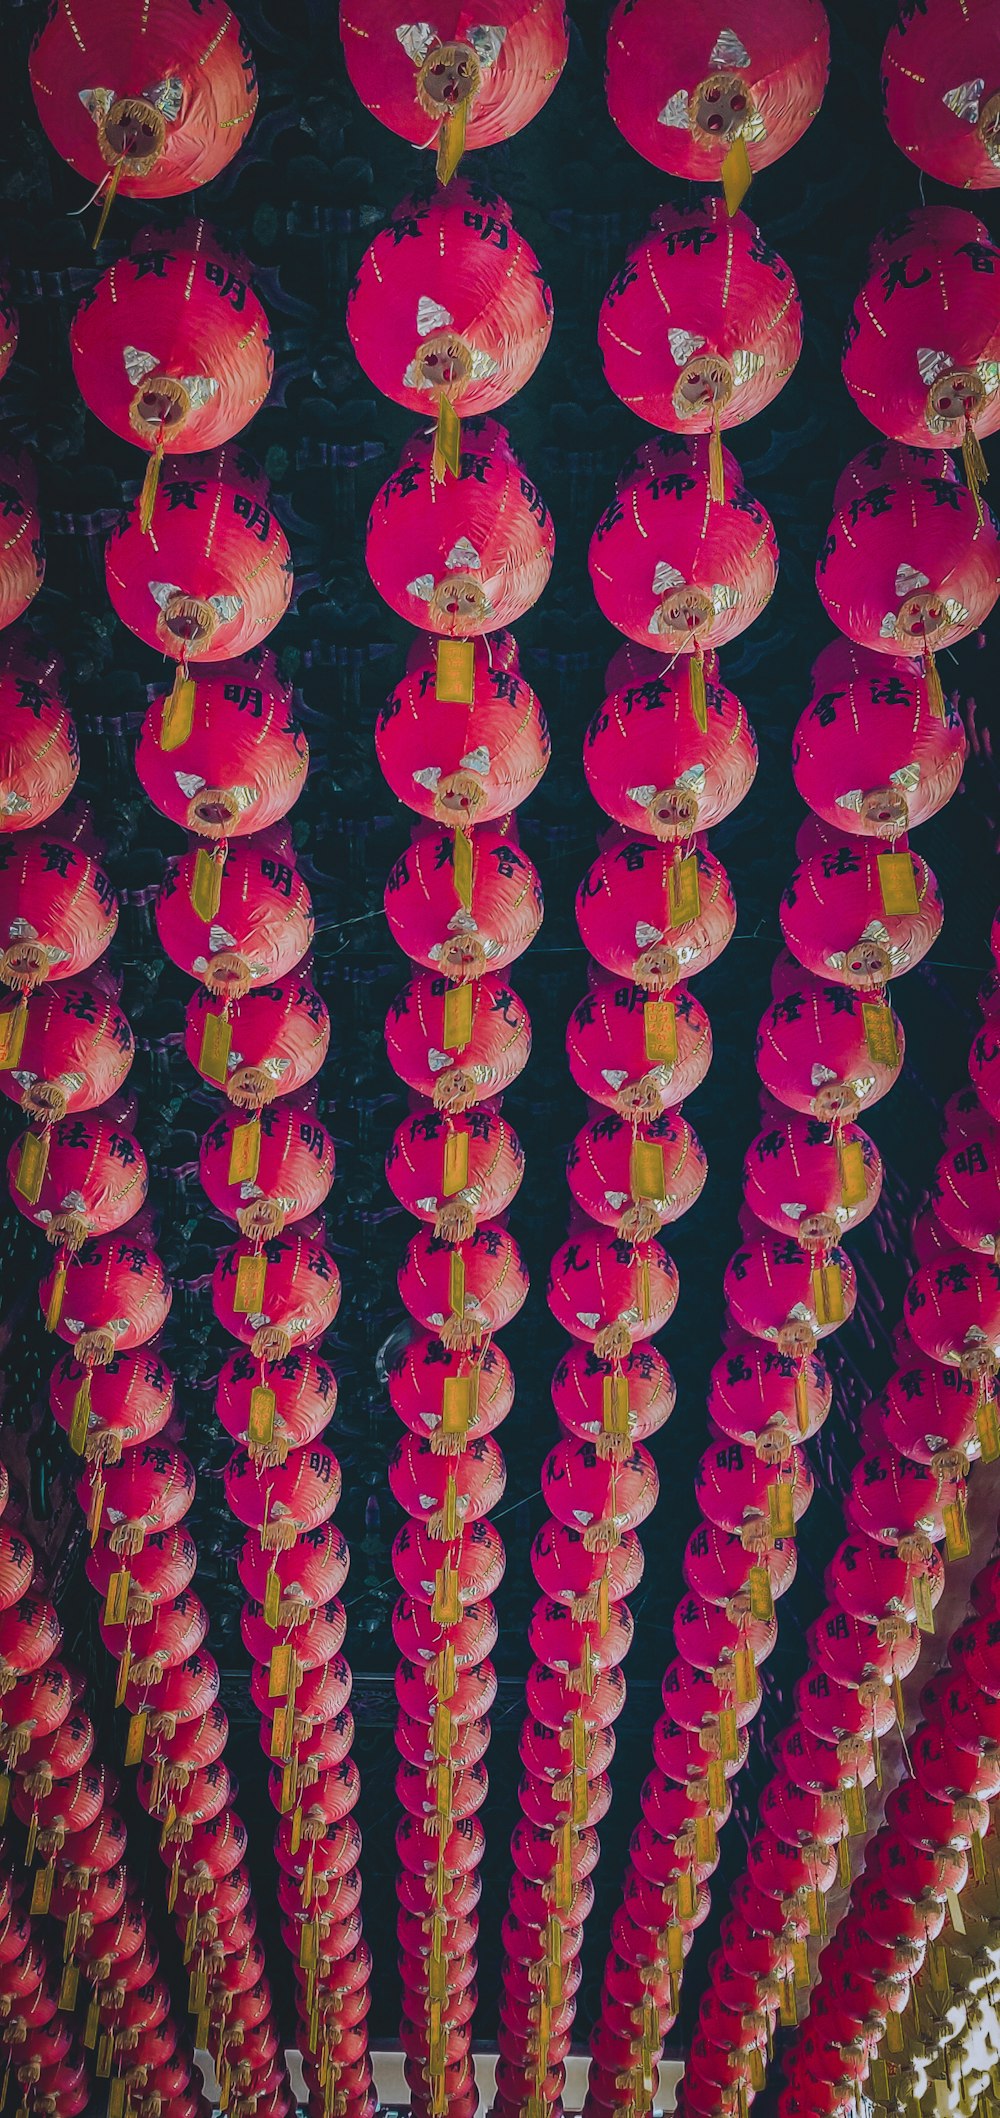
{"x":728,"y":1737}
{"x":603,"y":1604}
{"x":135,"y":1741}
{"x":736,"y":175}
{"x":647,"y":1177}
{"x":118,"y":2097}
{"x":894,"y":2040}
{"x":68,"y":1988}
{"x":124,"y":1671}
{"x":897,"y":883}
{"x":922,"y":1604}
{"x":12,"y":1028}
{"x":456,"y":1162}
{"x":853,"y":1175}
{"x":686,"y":1894}
{"x":580,"y":1798}
{"x":55,"y":1302}
{"x":457,"y":1028}
{"x":788,"y":2014}
{"x":445,"y":1679}
{"x":779,"y":1508}
{"x":92,"y":2024}
{"x":295,"y":1831}
{"x":447,"y":440}
{"x":79,"y":1425}
{"x":32,"y":1164}
{"x":451,"y":143}
{"x":988,"y":1430}
{"x":251,"y":1274}
{"x":615,"y":1409}
{"x":280,"y":1671}
{"x":756,"y":2063}
{"x":684,"y":890}
{"x":41,"y":1891}
{"x":828,"y":1293}
{"x":802,"y":1401}
{"x":844,"y":1863}
{"x":446,"y":1607}
{"x":697,"y":692}
{"x":880,"y":1032}
{"x":272,"y":1599}
{"x":659,"y":1028}
{"x":745,"y":1673}
{"x":957,"y":1542}
{"x":441,"y":1732}
{"x":456,"y":1283}
{"x":855,"y":1807}
{"x":244,"y":1152}
{"x":716,"y":1781}
{"x":197,"y":1989}
{"x":705,"y":1838}
{"x":4,"y":1800}
{"x":177,"y":718}
{"x":216,"y":1045}
{"x":260,"y":1417}
{"x":206,"y":885}
{"x":281,"y":1733}
{"x":455,"y":672}
{"x":116,"y":1599}
{"x":105,"y":2055}
{"x":978,"y":1857}
{"x":458,"y":1402}
{"x":761,"y":1598}
{"x":462,"y":868}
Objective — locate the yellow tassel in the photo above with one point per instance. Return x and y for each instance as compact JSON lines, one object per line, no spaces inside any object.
{"x":147,"y":497}
{"x":716,"y":465}
{"x":975,"y":466}
{"x":109,"y":200}
{"x":80,"y":1421}
{"x":935,"y":692}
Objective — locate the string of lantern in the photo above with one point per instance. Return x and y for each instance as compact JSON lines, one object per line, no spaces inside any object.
{"x":449,"y":314}
{"x":64,"y":1800}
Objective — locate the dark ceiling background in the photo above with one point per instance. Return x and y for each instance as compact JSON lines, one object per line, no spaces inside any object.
{"x":314,"y":181}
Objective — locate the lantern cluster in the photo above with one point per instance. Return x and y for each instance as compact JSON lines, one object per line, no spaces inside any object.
{"x":75,"y":1855}
{"x":449,"y":315}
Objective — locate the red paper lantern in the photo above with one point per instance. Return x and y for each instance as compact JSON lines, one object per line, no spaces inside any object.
{"x":161,"y":1569}
{"x":464,"y":1291}
{"x":895,"y":1501}
{"x":476,"y":1558}
{"x":672,"y":568}
{"x":57,"y":910}
{"x":304,"y":1391}
{"x":769,"y":1400}
{"x":430,"y":919}
{"x":573,"y":1567}
{"x":611,"y":1291}
{"x":824,"y":1050}
{"x":291,"y":1289}
{"x":858,"y":917}
{"x":113,"y":1296}
{"x":39,"y":750}
{"x":923,"y":334}
{"x":702,"y":774}
{"x":30,"y":1634}
{"x":939,"y":108}
{"x":455,"y":1171}
{"x":800,"y":1182}
{"x":168,"y":103}
{"x":70,"y":1050}
{"x":636,"y":1052}
{"x":648,"y":914}
{"x":777,"y":1289}
{"x":149,"y":1491}
{"x":636,"y":1179}
{"x":22,"y":551}
{"x":465,"y":556}
{"x":284,"y":1501}
{"x":421,"y":1376}
{"x":738,"y":329}
{"x":279,"y":1038}
{"x":463,"y":764}
{"x":873,"y":1583}
{"x":587,"y":1408}
{"x":682,"y":106}
{"x":94,"y":1179}
{"x":421,"y":1480}
{"x":966,"y":1188}
{"x":598,"y":1497}
{"x":457,"y":1052}
{"x":243,"y":762}
{"x":450,"y":301}
{"x":872,"y":756}
{"x":171,"y":349}
{"x":910,"y":566}
{"x":734,"y":1489}
{"x":295,"y":1162}
{"x":17,"y":1565}
{"x":220,"y":575}
{"x":952,"y":1312}
{"x":495,"y":79}
{"x":253,"y":928}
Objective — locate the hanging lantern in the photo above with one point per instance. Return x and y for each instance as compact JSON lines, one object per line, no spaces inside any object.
{"x":39,"y":750}
{"x":600,"y":1497}
{"x":966,"y":1188}
{"x":429,"y":1486}
{"x":859,"y":917}
{"x":163,"y":1568}
{"x":778,"y":1289}
{"x":94,"y":1179}
{"x":613,"y":1403}
{"x":464,"y":1291}
{"x":308,"y":1574}
{"x":220,"y":574}
{"x":932,"y":1414}
{"x":449,"y":302}
{"x":476,"y":1558}
{"x":636,"y":1179}
{"x":457,"y":1047}
{"x":647,"y":913}
{"x":284,"y":1501}
{"x":111,"y":1297}
{"x":455,"y":1171}
{"x":800,"y":1182}
{"x":635,"y":1052}
{"x":612,"y":1291}
{"x":171,"y":348}
{"x":463,"y":761}
{"x":869,"y":1581}
{"x":450,"y":86}
{"x":703,"y":773}
{"x":242,"y":762}
{"x":769,"y":1400}
{"x":285,"y":1405}
{"x":276,"y":1294}
{"x":734,"y":1490}
{"x":270,"y":1042}
{"x":825,"y":1050}
{"x":467,"y":556}
{"x":70,"y":1049}
{"x":738,"y":330}
{"x":22,"y":551}
{"x":911,"y":566}
{"x":149,"y":1491}
{"x":671,"y":567}
{"x":57,"y":911}
{"x":685,"y":106}
{"x":166,"y":105}
{"x":271,"y":1177}
{"x":242,"y":921}
{"x":952,"y":1310}
{"x":939,"y":109}
{"x":873,"y":756}
{"x":920,"y":350}
{"x":425,"y":1377}
{"x":463,"y":906}
{"x":895,"y":1501}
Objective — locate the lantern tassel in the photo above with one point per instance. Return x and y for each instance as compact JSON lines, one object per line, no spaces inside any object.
{"x":109,"y":199}
{"x":147,"y":497}
{"x":716,"y":463}
{"x":975,"y":465}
